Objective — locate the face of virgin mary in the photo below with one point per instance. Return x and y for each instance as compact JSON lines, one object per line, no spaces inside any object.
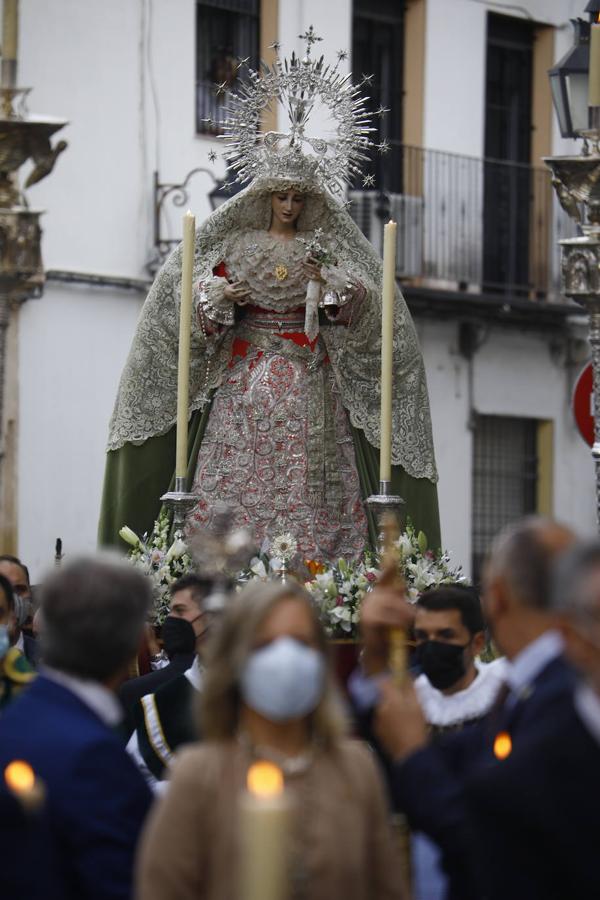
{"x":286,"y":207}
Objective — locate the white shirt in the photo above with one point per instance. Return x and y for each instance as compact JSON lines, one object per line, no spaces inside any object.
{"x":587,"y":704}
{"x":527,"y":665}
{"x":20,"y":643}
{"x":96,"y":696}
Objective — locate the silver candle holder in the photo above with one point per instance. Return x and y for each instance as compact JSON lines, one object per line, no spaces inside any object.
{"x":180,"y":502}
{"x":384,"y":503}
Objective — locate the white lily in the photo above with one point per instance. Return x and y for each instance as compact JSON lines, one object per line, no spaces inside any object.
{"x":129,"y":536}
{"x":176,"y":550}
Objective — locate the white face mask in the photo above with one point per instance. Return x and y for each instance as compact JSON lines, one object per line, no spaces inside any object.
{"x":284,"y":680}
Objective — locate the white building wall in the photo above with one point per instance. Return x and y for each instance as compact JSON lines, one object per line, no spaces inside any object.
{"x":123,"y":74}
{"x":455,"y":65}
{"x":514,"y":374}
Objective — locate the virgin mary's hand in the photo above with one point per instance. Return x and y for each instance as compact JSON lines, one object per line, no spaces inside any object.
{"x":312,"y":269}
{"x":237,"y":292}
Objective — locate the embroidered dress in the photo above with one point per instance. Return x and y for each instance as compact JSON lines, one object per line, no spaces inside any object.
{"x":278,"y":448}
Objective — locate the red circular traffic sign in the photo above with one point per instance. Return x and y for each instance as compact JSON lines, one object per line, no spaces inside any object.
{"x":583,"y":404}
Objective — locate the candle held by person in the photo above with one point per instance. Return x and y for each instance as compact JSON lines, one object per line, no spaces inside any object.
{"x":21,"y":781}
{"x":185,"y":325}
{"x":387,"y":345}
{"x":264,"y":825}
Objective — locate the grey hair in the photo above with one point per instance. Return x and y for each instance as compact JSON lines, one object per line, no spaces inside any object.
{"x":93,"y":612}
{"x":524,"y":554}
{"x":233,"y":642}
{"x":571,"y":572}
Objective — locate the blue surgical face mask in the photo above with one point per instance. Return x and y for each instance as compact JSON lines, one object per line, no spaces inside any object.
{"x":284,"y":680}
{"x":4,"y":641}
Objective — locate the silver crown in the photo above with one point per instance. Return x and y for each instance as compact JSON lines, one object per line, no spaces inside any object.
{"x":295,"y":156}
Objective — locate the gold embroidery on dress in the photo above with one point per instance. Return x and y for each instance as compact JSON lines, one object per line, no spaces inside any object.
{"x":281,"y":272}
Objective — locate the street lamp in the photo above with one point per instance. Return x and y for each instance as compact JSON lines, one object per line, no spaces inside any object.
{"x":577,"y":183}
{"x":569,"y":83}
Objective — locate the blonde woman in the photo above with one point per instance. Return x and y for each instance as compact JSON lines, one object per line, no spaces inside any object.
{"x":269,"y":694}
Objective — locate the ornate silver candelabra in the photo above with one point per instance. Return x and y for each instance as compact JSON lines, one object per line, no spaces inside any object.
{"x":576,"y":180}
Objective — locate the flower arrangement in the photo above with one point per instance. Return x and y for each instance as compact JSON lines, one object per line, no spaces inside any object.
{"x":337,"y":589}
{"x":338,"y":592}
{"x":318,"y":250}
{"x":161,"y":559}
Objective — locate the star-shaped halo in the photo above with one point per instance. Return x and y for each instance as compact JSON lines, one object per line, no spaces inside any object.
{"x":381,"y":111}
{"x":275,"y":45}
{"x":384,"y":146}
{"x":212,"y":156}
{"x":367,"y":79}
{"x":342,"y":54}
{"x":369,"y":181}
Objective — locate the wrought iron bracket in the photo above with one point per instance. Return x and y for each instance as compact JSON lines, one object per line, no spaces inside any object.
{"x":177,"y":194}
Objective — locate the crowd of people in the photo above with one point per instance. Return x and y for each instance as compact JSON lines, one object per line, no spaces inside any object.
{"x":465,"y":780}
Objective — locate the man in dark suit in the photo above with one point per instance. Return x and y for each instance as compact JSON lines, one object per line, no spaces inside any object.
{"x":183,"y":632}
{"x":64,"y":727}
{"x":551,"y":839}
{"x":431,"y":782}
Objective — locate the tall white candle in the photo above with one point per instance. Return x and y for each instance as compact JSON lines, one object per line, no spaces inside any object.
{"x":594,"y":73}
{"x":10,"y":29}
{"x":387,"y":338}
{"x":185,"y":327}
{"x":264,"y":828}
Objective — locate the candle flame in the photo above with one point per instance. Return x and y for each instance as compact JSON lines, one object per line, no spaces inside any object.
{"x":19,"y":776}
{"x":265,"y":779}
{"x":502,"y":745}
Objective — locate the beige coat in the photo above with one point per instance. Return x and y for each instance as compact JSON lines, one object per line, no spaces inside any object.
{"x":340,"y":828}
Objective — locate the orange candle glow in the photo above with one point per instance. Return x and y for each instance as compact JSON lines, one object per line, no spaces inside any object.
{"x":502,"y":745}
{"x":29,"y":790}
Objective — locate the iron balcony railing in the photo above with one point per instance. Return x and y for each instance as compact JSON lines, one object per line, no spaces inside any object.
{"x":469,"y":224}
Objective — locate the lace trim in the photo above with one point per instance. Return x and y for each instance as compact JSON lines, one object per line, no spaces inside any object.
{"x":212,"y":303}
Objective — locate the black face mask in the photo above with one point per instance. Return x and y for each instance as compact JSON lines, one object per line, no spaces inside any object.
{"x":443,"y":664}
{"x":178,"y":636}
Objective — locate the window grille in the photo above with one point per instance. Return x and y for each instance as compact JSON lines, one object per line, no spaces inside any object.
{"x":227,"y":31}
{"x":505,"y":476}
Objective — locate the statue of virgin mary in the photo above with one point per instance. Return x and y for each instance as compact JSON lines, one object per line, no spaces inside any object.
{"x":285,"y":351}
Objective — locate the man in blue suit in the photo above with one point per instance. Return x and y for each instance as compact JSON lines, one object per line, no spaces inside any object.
{"x":551,"y":838}
{"x":431,"y":783}
{"x":64,"y":726}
